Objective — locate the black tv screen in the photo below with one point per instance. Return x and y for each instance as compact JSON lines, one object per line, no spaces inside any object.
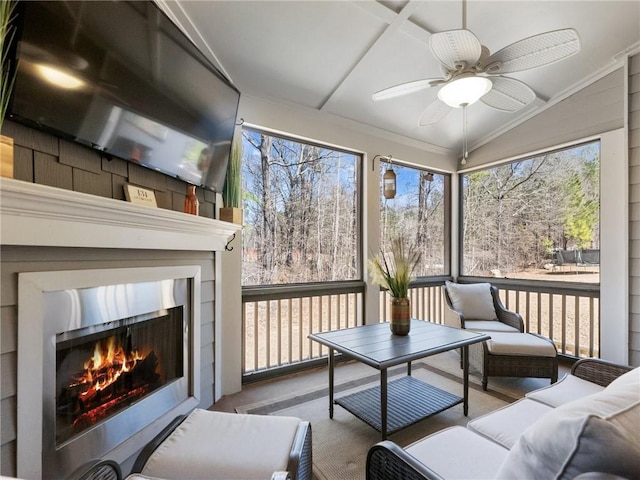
{"x":122,"y":78}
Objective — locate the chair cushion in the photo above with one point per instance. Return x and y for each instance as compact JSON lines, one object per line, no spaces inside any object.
{"x":219,"y":445}
{"x":489,"y":326}
{"x":569,"y":388}
{"x":473,"y":300}
{"x":523,"y":344}
{"x":456,"y":451}
{"x":508,"y":423}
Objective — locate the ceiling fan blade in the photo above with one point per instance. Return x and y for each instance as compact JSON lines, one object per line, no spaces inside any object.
{"x":405,"y":88}
{"x":534,"y":52}
{"x":455,"y":47}
{"x":434,"y":113}
{"x":508,"y":94}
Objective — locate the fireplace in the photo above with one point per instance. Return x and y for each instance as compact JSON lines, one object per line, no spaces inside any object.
{"x":111,"y":353}
{"x":102,"y":371}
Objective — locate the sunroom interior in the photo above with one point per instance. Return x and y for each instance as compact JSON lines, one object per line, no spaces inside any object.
{"x":307,"y":71}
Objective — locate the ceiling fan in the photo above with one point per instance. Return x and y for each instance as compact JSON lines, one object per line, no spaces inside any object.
{"x":472,"y":73}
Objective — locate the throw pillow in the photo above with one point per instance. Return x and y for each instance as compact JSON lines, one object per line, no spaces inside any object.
{"x":473,"y":300}
{"x":565,"y":443}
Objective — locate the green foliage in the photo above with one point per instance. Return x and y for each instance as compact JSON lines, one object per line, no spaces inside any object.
{"x":6,"y":36}
{"x":582,"y":214}
{"x":395,"y":271}
{"x":232,"y":190}
{"x":547,"y":245}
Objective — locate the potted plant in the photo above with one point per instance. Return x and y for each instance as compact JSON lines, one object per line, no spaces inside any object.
{"x":394,"y":271}
{"x":6,"y":85}
{"x":232,"y":189}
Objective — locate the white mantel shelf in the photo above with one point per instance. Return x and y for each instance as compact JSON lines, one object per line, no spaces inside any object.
{"x":39,"y":215}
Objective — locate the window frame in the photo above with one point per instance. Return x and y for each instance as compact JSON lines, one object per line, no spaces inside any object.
{"x":359,"y":175}
{"x":496,"y":164}
{"x":448,"y":220}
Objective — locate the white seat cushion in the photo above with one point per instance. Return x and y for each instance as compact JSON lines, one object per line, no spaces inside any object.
{"x":523,"y":344}
{"x":507,"y":424}
{"x":489,"y":326}
{"x":219,"y":445}
{"x":569,"y":388}
{"x":458,"y":453}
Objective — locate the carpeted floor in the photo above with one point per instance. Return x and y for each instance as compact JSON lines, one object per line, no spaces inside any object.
{"x":340,"y":444}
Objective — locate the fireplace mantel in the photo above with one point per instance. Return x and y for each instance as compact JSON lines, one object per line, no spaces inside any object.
{"x":38,"y":215}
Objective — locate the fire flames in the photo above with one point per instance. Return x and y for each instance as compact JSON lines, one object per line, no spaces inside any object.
{"x":111,"y":377}
{"x":108,"y":362}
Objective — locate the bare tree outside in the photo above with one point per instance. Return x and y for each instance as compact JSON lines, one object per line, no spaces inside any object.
{"x":521,"y":218}
{"x":301,"y":207}
{"x":417,"y":214}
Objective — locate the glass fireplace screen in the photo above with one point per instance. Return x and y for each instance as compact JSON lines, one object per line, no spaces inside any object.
{"x":100,"y":373}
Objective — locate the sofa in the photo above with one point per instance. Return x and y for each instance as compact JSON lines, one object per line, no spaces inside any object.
{"x":586,"y":425}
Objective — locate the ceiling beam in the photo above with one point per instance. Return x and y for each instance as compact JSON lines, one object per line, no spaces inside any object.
{"x":396,"y":24}
{"x":384,"y":13}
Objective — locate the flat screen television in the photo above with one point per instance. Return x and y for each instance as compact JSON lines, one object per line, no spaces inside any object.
{"x":120,"y":77}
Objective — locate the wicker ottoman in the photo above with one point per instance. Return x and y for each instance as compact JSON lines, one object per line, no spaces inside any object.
{"x":208,"y":445}
{"x":515,"y":355}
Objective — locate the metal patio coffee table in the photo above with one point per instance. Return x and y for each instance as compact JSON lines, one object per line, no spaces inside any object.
{"x":392,"y":406}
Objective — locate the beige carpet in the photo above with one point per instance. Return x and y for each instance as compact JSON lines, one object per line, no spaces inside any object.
{"x":340,"y":444}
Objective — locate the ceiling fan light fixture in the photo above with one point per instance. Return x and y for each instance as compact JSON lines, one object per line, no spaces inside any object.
{"x":465,"y":90}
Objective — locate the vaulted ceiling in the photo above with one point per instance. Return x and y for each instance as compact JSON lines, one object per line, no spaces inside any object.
{"x":333,"y":55}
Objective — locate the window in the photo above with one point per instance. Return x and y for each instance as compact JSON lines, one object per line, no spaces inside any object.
{"x":301,"y":208}
{"x":417,"y":213}
{"x":536,"y":218}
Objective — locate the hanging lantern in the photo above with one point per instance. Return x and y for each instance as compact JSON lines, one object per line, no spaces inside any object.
{"x":389,"y":183}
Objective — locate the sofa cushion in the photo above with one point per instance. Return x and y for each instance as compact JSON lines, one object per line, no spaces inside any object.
{"x":473,"y":300}
{"x":489,"y":326}
{"x":564,"y":444}
{"x":569,"y":388}
{"x":524,"y":344}
{"x":507,"y":424}
{"x":455,"y":452}
{"x":218,"y":445}
{"x":594,"y":433}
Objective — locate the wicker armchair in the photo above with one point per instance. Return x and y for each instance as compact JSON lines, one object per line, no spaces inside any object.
{"x":490,"y":365}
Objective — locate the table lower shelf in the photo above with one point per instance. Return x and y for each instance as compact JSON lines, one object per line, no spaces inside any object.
{"x":408,"y":401}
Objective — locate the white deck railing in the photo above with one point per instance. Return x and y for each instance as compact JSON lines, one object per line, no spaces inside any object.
{"x":277,"y":320}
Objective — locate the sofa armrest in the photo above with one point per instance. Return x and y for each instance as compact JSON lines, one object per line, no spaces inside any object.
{"x":388,"y":461}
{"x":598,"y":371}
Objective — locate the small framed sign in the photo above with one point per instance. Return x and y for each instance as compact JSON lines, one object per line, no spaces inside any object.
{"x":140,"y":196}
